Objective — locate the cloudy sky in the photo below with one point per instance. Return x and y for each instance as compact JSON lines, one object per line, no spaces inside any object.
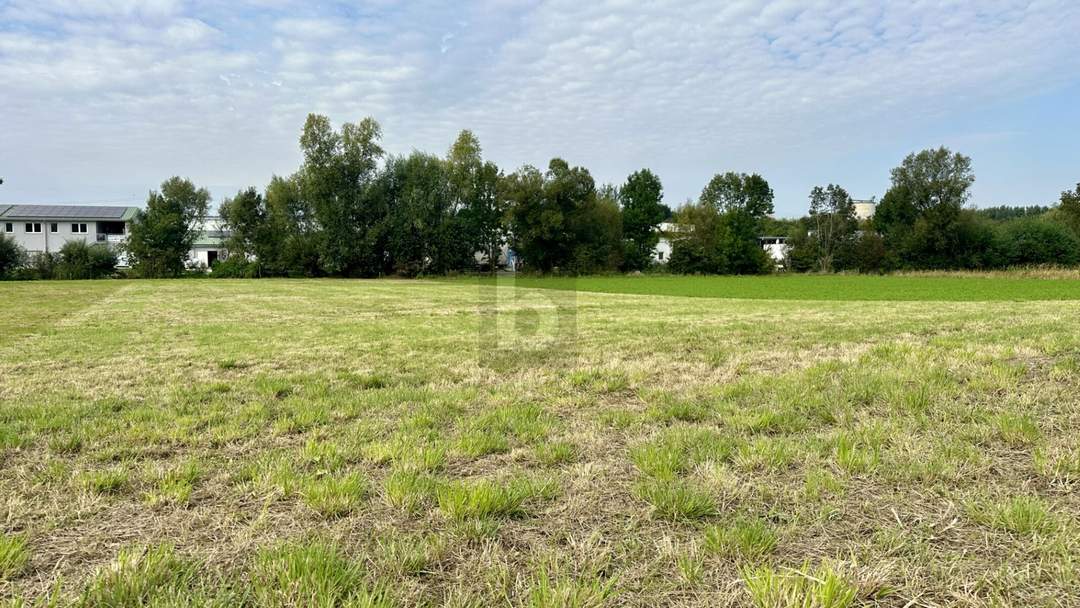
{"x":100,"y":100}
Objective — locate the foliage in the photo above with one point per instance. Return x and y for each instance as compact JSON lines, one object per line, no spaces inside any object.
{"x":162,"y":235}
{"x":1070,"y":209}
{"x":732,"y":191}
{"x":720,"y":234}
{"x":920,"y":215}
{"x":547,"y":211}
{"x":642,"y":212}
{"x":1034,"y":241}
{"x":1011,"y":212}
{"x":78,"y":260}
{"x":338,"y":167}
{"x":832,"y":214}
{"x":12,"y":256}
{"x":475,"y":198}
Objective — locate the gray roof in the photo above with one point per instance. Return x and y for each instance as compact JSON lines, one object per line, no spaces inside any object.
{"x":62,"y":212}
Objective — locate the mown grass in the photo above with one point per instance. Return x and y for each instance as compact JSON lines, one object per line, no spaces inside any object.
{"x":459,"y":443}
{"x":906,"y":288}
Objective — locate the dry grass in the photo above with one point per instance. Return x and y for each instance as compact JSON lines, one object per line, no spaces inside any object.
{"x":379,"y":443}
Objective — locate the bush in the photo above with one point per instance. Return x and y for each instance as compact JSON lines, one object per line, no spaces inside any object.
{"x":77,"y":260}
{"x":1034,"y":241}
{"x":40,"y":265}
{"x":236,"y":267}
{"x":12,"y":257}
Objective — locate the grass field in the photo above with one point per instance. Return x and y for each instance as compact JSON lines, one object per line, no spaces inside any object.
{"x":400,"y":443}
{"x":947,"y":287}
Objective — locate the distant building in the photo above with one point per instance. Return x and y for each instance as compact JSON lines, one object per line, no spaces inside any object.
{"x":864,"y":210}
{"x":45,"y":229}
{"x":776,"y":247}
{"x":209,"y":246}
{"x":667,"y":231}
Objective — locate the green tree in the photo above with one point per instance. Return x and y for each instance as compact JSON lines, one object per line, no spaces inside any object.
{"x":162,"y":235}
{"x":338,"y":168}
{"x":475,"y":197}
{"x":741,"y":203}
{"x":832,"y":215}
{"x":1036,"y":241}
{"x":544,"y":209}
{"x":695,"y":246}
{"x":598,"y":235}
{"x":1069,"y":209}
{"x":732,"y":191}
{"x":920,"y":216}
{"x":246,"y":221}
{"x":12,"y":256}
{"x":642,"y":212}
{"x":78,"y":260}
{"x":424,"y":233}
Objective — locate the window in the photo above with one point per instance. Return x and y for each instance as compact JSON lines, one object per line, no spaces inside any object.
{"x":54,"y":227}
{"x":9,"y":227}
{"x":78,"y":228}
{"x":33,"y":227}
{"x":661,"y":254}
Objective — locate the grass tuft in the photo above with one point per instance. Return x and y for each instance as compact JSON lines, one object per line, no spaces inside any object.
{"x":14,"y":555}
{"x":741,"y":538}
{"x":488,"y":499}
{"x":802,"y":588}
{"x":335,"y":496}
{"x":311,"y":574}
{"x":676,"y":499}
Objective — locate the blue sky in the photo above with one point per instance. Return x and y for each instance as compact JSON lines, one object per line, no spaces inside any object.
{"x":101,"y":100}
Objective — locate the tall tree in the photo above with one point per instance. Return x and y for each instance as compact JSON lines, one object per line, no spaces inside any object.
{"x":163,"y":234}
{"x":338,"y":167}
{"x":475,"y":199}
{"x":642,"y":212}
{"x":1070,"y":209}
{"x":920,"y":215}
{"x":245,"y":219}
{"x":832,"y":213}
{"x":739,"y":192}
{"x":544,"y":211}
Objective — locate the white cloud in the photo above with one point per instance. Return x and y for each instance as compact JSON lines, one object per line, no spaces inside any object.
{"x":220,"y":91}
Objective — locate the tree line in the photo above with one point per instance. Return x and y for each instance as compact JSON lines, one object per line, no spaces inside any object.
{"x":352,"y":210}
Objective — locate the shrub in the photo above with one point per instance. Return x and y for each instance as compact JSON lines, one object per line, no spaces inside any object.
{"x":12,"y":256}
{"x":77,"y":260}
{"x":236,"y":267}
{"x":1033,"y":241}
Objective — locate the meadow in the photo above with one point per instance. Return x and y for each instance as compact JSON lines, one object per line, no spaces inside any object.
{"x":464,"y":443}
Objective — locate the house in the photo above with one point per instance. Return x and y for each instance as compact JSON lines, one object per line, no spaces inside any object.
{"x":776,"y":247}
{"x":668,"y":232}
{"x":209,"y":246}
{"x":45,"y":229}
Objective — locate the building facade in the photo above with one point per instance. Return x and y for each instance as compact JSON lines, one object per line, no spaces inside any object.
{"x":46,"y":228}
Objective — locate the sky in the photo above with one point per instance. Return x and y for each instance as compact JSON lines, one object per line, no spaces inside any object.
{"x":102,"y":100}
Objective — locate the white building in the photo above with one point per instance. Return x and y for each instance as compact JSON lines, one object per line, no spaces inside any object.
{"x":864,"y":210}
{"x":668,"y":232}
{"x":45,"y":229}
{"x":209,"y":247}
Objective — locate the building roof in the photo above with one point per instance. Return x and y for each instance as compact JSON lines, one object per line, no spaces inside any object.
{"x":67,"y":212}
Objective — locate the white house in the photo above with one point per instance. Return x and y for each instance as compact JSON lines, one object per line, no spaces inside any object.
{"x":45,"y":229}
{"x":667,"y":231}
{"x":209,"y":247}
